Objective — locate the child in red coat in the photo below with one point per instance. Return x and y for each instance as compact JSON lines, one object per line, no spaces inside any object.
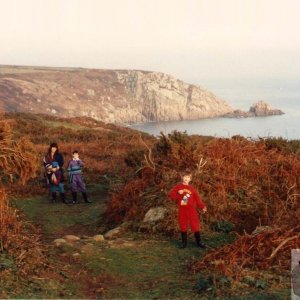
{"x":188,"y":200}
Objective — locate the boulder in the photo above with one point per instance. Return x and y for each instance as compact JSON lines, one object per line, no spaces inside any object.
{"x":155,"y":214}
{"x":112,"y":233}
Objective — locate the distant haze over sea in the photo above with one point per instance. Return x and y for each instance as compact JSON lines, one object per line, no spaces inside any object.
{"x":282,"y":94}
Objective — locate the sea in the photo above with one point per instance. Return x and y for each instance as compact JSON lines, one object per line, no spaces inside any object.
{"x":280,"y":94}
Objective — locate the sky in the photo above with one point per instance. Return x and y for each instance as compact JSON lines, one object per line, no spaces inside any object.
{"x":198,"y":41}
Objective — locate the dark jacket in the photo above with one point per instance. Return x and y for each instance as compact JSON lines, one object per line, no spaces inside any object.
{"x":58,"y":157}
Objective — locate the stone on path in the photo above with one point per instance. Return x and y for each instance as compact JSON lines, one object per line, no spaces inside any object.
{"x":112,"y":233}
{"x":98,"y":238}
{"x":71,"y":238}
{"x":59,"y":242}
{"x":121,"y":243}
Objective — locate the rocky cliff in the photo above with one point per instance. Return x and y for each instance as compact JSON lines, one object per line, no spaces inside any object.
{"x":115,"y":96}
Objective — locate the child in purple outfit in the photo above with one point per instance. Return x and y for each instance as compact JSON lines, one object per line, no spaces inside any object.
{"x":74,"y":171}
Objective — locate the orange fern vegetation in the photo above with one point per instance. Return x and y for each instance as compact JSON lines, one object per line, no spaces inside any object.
{"x":102,"y":146}
{"x":245,"y":183}
{"x":24,"y":140}
{"x":17,"y":165}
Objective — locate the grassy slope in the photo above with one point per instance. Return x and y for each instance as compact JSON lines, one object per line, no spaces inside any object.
{"x":152,"y":269}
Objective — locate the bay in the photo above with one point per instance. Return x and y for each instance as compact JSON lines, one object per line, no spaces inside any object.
{"x":284,"y":95}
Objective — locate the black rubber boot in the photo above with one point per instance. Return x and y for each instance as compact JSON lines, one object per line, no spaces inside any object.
{"x":74,"y":196}
{"x":198,"y":240}
{"x":53,"y":197}
{"x":85,"y":198}
{"x":63,"y":199}
{"x":183,"y":240}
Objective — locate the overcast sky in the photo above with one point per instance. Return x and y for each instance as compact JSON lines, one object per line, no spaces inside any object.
{"x":194,"y":40}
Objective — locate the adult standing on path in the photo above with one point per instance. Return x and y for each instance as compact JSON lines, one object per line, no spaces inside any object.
{"x":53,"y":163}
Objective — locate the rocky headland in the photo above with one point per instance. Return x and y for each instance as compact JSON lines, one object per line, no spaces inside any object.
{"x":112,"y":96}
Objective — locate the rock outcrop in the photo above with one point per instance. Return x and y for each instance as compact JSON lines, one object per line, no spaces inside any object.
{"x":259,"y":109}
{"x":113,"y":96}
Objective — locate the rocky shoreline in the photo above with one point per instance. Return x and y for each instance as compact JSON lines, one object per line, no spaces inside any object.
{"x":113,"y":96}
{"x":259,"y":109}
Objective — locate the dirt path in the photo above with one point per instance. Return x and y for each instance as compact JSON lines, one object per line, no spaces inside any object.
{"x":134,"y":266}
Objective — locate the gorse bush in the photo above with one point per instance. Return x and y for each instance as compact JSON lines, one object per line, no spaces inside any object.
{"x":245,"y":184}
{"x":242,"y":182}
{"x":282,"y":144}
{"x":10,"y":226}
{"x":18,"y":163}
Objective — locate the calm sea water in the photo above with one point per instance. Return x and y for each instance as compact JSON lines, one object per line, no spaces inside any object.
{"x":284,"y":95}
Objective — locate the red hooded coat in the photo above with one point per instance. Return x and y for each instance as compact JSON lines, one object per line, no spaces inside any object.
{"x":187,"y":203}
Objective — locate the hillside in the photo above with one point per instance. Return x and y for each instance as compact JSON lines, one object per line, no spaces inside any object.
{"x":111,"y":96}
{"x":251,"y":189}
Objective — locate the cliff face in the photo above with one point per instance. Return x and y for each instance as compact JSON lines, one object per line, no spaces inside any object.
{"x":164,"y":98}
{"x":106,"y":95}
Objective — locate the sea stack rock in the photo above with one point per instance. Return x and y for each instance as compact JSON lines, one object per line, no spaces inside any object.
{"x":261,"y":109}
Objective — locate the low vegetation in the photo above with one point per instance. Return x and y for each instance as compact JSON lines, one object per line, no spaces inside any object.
{"x":247,"y":185}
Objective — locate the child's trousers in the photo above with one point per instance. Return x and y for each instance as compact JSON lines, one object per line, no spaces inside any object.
{"x":188,"y":216}
{"x":77,"y":184}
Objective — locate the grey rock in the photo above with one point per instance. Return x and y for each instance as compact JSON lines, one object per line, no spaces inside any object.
{"x":155,"y":214}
